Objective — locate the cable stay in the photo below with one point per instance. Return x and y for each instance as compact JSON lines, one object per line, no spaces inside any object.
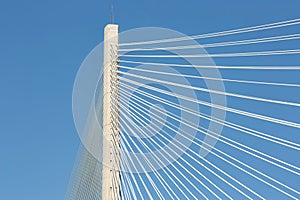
{"x":214,"y":67}
{"x":219,"y":44}
{"x":197,"y":143}
{"x":221,"y":33}
{"x":211,"y":78}
{"x":223,"y":55}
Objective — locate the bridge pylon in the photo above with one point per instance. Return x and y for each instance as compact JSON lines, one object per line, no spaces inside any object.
{"x":111,"y":127}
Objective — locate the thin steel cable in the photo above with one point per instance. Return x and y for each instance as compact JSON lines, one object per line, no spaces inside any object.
{"x":156,"y":174}
{"x":221,"y":33}
{"x":149,"y":178}
{"x":139,"y":119}
{"x":204,"y":165}
{"x":169,"y":172}
{"x":219,"y":44}
{"x":211,"y":78}
{"x":220,"y":55}
{"x":251,"y":149}
{"x":232,"y":110}
{"x":214,"y":67}
{"x":135,"y":117}
{"x":257,"y":171}
{"x":213,"y":91}
{"x":175,"y":178}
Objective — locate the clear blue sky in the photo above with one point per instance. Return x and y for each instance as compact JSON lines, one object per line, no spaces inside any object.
{"x":42,"y":44}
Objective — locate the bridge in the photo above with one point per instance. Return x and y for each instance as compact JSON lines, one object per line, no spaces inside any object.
{"x":162,"y":116}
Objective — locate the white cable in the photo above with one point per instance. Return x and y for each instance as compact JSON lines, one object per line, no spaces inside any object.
{"x":167,"y":169}
{"x":266,"y":155}
{"x":159,"y":177}
{"x":207,"y":161}
{"x":215,"y":67}
{"x":198,"y":163}
{"x":142,"y":181}
{"x":213,"y":91}
{"x":211,"y":78}
{"x":220,"y":44}
{"x":161,"y":181}
{"x":266,"y":176}
{"x":131,"y":114}
{"x":232,"y":110}
{"x":147,"y":175}
{"x":190,"y":183}
{"x":129,"y":181}
{"x":125,"y":190}
{"x":256,"y":151}
{"x":240,"y":128}
{"x":223,"y":55}
{"x":222,"y":33}
{"x":124,"y":162}
{"x":182,"y":175}
{"x":235,"y":165}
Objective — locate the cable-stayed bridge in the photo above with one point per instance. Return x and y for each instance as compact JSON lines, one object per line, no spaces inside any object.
{"x":162,"y":115}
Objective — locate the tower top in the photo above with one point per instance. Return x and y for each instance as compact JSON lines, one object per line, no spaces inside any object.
{"x":111,"y":27}
{"x":111,"y":30}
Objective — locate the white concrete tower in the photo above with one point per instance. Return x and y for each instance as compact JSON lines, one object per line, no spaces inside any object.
{"x":111,"y":131}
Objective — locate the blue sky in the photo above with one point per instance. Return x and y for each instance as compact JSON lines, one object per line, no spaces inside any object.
{"x":42,"y":45}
